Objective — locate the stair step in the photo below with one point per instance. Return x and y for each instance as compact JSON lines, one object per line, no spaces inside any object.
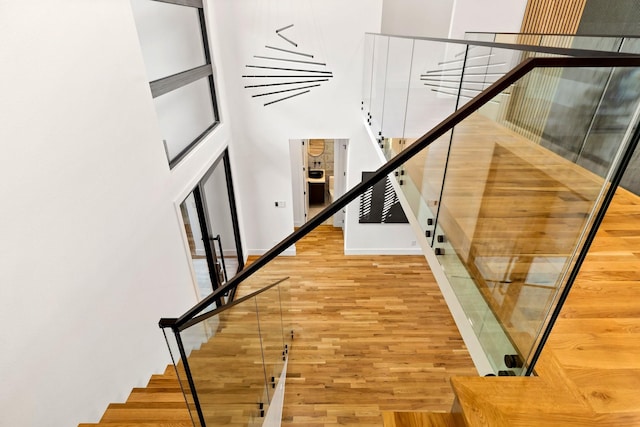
{"x":135,"y":412}
{"x":422,"y":419}
{"x":163,"y":381}
{"x":140,"y":424}
{"x":156,"y":394}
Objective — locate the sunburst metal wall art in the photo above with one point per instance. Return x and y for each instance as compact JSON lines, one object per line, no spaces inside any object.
{"x":284,"y":83}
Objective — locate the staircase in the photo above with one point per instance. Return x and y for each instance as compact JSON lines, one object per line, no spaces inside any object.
{"x":160,"y":404}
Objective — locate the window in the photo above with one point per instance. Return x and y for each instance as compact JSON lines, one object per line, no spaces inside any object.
{"x":175,"y":48}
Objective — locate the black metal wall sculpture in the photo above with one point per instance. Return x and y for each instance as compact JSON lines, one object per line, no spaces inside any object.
{"x":380,"y":204}
{"x":285,"y":81}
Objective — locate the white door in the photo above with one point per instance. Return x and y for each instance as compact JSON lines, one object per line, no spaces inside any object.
{"x":305,"y":171}
{"x":340,"y":150}
{"x":300,"y":204}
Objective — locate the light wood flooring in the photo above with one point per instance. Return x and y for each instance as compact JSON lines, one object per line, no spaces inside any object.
{"x":372,"y":334}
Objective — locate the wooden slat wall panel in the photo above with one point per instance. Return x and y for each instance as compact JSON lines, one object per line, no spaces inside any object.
{"x":525,"y":115}
{"x":552,"y":16}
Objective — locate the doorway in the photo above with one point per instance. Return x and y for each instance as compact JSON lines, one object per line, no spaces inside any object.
{"x":211,"y":226}
{"x":318,"y":177}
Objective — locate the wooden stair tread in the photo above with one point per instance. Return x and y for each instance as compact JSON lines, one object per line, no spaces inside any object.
{"x":422,"y":419}
{"x":146,"y":412}
{"x":156,"y":395}
{"x":141,"y":424}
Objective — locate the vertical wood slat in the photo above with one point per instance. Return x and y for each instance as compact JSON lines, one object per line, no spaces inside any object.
{"x":529,"y":116}
{"x":552,"y":16}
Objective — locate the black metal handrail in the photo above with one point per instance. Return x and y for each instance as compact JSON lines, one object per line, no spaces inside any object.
{"x":171,"y":322}
{"x":571,"y":52}
{"x":189,"y":318}
{"x":630,"y":36}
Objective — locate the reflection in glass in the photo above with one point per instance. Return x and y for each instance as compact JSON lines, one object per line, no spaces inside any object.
{"x":509,"y":214}
{"x":193,"y":230}
{"x":226,"y":366}
{"x":220,"y":220}
{"x":170,"y":37}
{"x":184,"y":114}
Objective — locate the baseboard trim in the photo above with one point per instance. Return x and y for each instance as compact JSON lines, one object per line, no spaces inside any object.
{"x":257,"y":252}
{"x":383,"y":251}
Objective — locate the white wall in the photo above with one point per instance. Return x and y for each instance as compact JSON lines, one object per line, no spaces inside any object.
{"x":371,"y":239}
{"x":493,"y":16}
{"x":333,"y":31}
{"x":91,"y":254}
{"x":417,"y":17}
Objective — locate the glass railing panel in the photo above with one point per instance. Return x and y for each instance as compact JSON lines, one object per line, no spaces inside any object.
{"x":397,"y":86}
{"x":421,"y":178}
{"x":608,"y":44}
{"x":574,"y":97}
{"x":630,"y":45}
{"x":226,"y":366}
{"x":513,"y":213}
{"x":433,"y":87}
{"x":176,"y":359}
{"x":367,"y":74}
{"x":631,"y":181}
{"x":335,"y":297}
{"x":272,"y":336}
{"x":510,"y":38}
{"x":527,"y":39}
{"x":481,"y":37}
{"x":284,"y":290}
{"x":378,"y":78}
{"x":568,"y":41}
{"x":484,"y":65}
{"x":613,"y":115}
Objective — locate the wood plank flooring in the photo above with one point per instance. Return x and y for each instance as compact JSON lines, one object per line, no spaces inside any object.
{"x":372,"y":334}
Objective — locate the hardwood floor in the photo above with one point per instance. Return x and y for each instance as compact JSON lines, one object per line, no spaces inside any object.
{"x":372,"y":334}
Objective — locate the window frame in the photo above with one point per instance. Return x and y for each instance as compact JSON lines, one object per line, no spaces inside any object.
{"x":178,"y":80}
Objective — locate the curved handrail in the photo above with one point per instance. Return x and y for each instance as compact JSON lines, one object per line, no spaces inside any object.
{"x":442,"y":128}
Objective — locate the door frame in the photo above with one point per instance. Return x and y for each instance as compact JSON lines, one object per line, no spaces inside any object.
{"x":205,"y":225}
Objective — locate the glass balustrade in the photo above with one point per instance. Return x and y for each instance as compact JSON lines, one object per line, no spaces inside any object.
{"x":499,"y":179}
{"x":229,"y":362}
{"x":506,"y":196}
{"x":625,"y":44}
